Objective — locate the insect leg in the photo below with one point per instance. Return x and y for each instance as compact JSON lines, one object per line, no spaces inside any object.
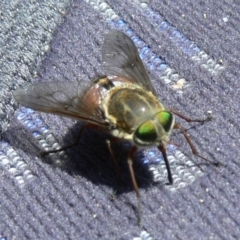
{"x":109,"y":145}
{"x":187,"y":119}
{"x":135,"y":185}
{"x":68,"y":146}
{"x":194,"y":151}
{"x":130,"y":162}
{"x":162,"y":149}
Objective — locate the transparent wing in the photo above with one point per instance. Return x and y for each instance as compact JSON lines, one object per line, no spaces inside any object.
{"x":71,"y":99}
{"x":121,"y":58}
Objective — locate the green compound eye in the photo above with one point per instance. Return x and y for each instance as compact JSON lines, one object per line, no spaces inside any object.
{"x":165,"y":119}
{"x":146,"y":132}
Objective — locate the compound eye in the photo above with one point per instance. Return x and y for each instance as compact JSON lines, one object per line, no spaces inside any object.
{"x":146,"y":132}
{"x":165,"y":119}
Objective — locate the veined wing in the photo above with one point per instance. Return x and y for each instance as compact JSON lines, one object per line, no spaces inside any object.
{"x":77,"y":100}
{"x":121,"y":58}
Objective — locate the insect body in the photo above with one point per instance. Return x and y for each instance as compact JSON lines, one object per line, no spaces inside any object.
{"x":136,"y":115}
{"x":123,"y":102}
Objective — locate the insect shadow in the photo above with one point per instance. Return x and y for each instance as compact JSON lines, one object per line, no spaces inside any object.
{"x":89,"y":158}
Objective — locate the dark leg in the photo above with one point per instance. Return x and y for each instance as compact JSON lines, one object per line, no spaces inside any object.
{"x":164,"y":153}
{"x":109,"y":144}
{"x":194,"y":151}
{"x":187,"y":119}
{"x":68,"y":146}
{"x":135,"y":185}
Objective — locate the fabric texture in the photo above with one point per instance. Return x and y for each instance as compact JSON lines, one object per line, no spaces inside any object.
{"x":191,"y":51}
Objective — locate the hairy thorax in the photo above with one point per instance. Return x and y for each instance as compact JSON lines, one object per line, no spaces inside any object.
{"x":129,"y":106}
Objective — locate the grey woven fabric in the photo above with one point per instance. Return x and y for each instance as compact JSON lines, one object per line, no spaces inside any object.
{"x":191,"y":50}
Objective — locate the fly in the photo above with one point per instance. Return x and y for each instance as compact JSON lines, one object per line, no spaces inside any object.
{"x":123,"y":103}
